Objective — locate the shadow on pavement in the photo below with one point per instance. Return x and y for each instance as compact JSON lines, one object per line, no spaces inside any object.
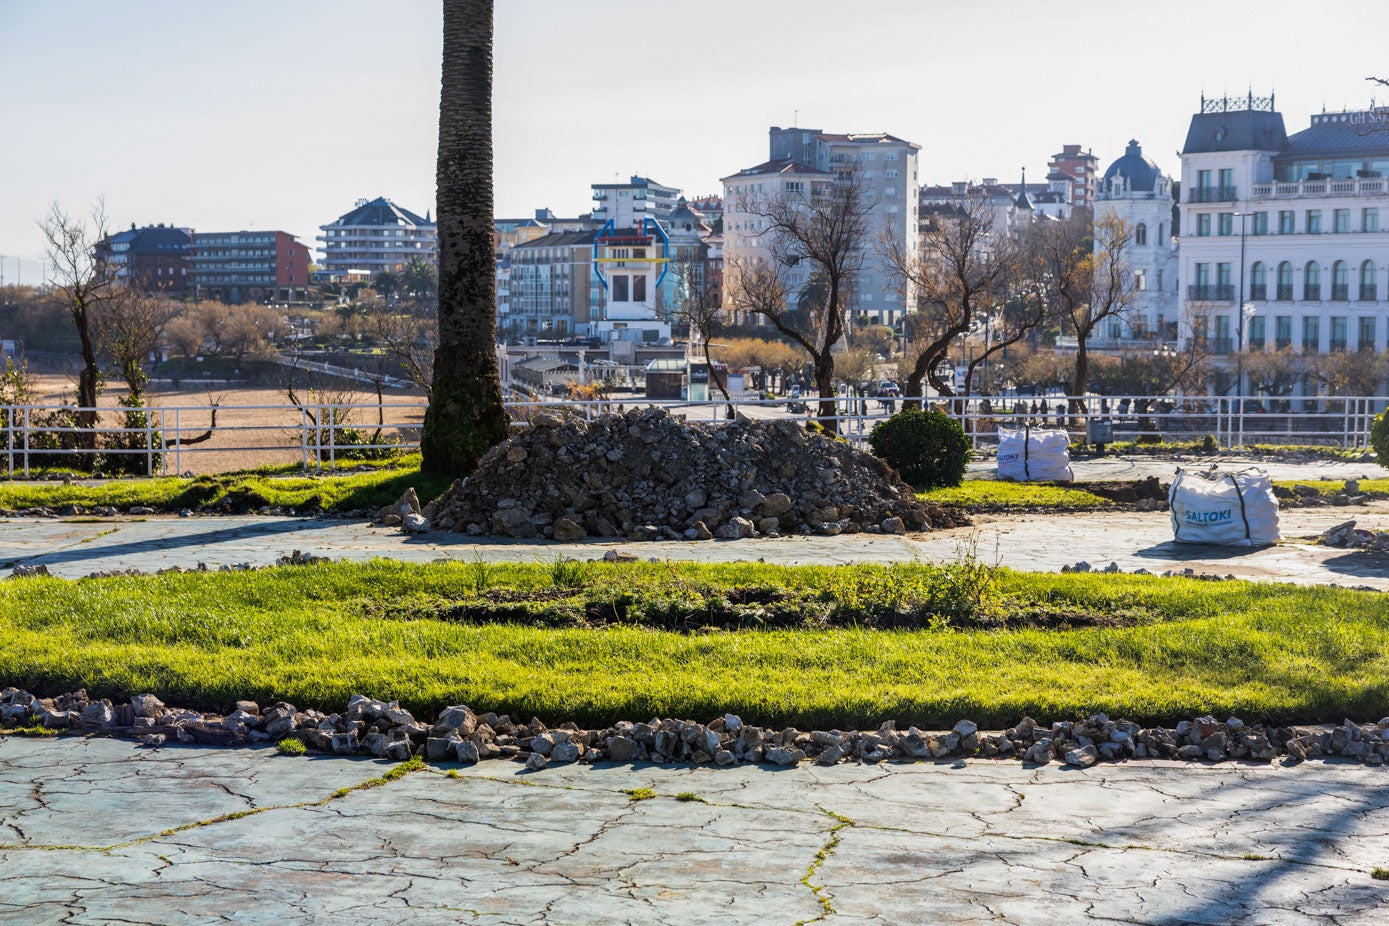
{"x":1298,"y":842}
{"x":240,"y":534}
{"x":1369,"y":565}
{"x":1184,"y":552}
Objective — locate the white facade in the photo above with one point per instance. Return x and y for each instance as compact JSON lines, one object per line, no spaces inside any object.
{"x":378,"y":235}
{"x":884,"y":166}
{"x":1288,"y":227}
{"x":626,"y":204}
{"x":1135,"y":191}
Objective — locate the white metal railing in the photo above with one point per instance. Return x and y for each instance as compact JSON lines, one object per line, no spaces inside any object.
{"x":316,"y":434}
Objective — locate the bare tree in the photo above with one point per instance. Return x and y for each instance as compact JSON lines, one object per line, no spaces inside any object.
{"x":184,"y":335}
{"x":1088,"y":280}
{"x":960,"y":272}
{"x":83,"y":281}
{"x":699,"y":304}
{"x":410,"y":338}
{"x":130,"y":326}
{"x":823,"y":230}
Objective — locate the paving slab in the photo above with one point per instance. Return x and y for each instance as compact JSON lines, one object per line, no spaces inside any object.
{"x":97,"y":831}
{"x":1030,"y":542}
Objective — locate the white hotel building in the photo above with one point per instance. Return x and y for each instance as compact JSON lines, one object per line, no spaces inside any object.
{"x":1294,"y":229}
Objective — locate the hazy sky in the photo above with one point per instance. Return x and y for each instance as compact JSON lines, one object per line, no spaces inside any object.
{"x":281,"y":113}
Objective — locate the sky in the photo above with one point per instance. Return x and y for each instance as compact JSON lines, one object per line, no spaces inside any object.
{"x":283,"y":113}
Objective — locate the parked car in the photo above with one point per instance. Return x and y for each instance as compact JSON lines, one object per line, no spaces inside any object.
{"x":888,"y":390}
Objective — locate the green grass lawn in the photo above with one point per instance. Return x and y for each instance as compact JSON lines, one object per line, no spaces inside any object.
{"x":380,"y":484}
{"x":425,"y":634}
{"x":982,"y":493}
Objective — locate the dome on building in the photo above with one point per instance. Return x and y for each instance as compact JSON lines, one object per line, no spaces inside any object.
{"x":1140,"y":172}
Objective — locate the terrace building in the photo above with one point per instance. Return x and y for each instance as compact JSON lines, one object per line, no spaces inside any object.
{"x":378,"y":235}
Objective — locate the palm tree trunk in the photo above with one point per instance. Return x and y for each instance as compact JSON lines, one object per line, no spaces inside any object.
{"x":465,"y":415}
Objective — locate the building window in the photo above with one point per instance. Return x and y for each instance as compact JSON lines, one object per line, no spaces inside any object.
{"x":1203,"y":225}
{"x":1227,"y":223}
{"x":1285,"y":222}
{"x":1140,"y":280}
{"x":1368,"y":289}
{"x":1311,"y":282}
{"x":1285,"y":282}
{"x":1261,"y":223}
{"x":620,"y":288}
{"x":1256,"y":332}
{"x":1340,"y":220}
{"x":1340,"y":281}
{"x":1203,"y":179}
{"x":1311,"y":333}
{"x":1314,"y":221}
{"x":1283,"y":331}
{"x":1223,"y":289}
{"x":1366,"y":340}
{"x":1369,"y":220}
{"x":1140,"y":234}
{"x":1227,"y":178}
{"x":1338,"y":333}
{"x":639,"y":288}
{"x":1258,"y":281}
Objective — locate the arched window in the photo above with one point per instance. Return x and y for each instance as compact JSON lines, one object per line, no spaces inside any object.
{"x":1340,"y":281}
{"x":1258,"y":281}
{"x":1367,"y":282}
{"x":1285,"y":282}
{"x":1140,"y":234}
{"x":1311,"y":282}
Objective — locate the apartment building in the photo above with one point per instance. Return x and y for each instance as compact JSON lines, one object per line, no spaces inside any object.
{"x":626,"y":204}
{"x":799,"y":159}
{"x":1285,"y":239}
{"x":245,"y":266}
{"x":153,"y":259}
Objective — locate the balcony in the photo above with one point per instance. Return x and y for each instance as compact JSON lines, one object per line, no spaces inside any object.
{"x":1258,"y":292}
{"x":1311,"y":292}
{"x":1210,"y":292}
{"x":1282,"y":343}
{"x":1338,"y":346}
{"x":1311,"y":345}
{"x":1300,"y":189}
{"x":1211,"y":194}
{"x":1340,"y":292}
{"x":1285,"y":292}
{"x":1223,"y":346}
{"x":1369,"y":292}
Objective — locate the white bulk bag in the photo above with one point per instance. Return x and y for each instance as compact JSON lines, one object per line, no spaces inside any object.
{"x":1029,"y":455}
{"x":1225,"y":509}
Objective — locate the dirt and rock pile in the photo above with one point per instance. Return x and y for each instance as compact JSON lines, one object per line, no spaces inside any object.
{"x":648,"y":475}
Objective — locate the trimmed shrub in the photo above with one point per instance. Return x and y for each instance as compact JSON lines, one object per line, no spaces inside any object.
{"x":928,"y":449}
{"x":1379,"y":438}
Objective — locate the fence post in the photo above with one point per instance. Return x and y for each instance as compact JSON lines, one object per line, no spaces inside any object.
{"x":332,"y":437}
{"x":9,"y":439}
{"x":26,"y":442}
{"x":178,"y":442}
{"x":149,"y":443}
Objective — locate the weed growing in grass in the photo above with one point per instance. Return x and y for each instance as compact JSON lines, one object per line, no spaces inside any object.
{"x":568,"y":573}
{"x":481,"y":573}
{"x":289,"y":746}
{"x":639,"y":794}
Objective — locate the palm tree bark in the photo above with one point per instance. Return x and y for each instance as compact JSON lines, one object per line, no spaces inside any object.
{"x":465,"y":415}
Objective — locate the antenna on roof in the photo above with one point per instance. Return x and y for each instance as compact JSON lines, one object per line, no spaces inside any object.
{"x":795,"y":118}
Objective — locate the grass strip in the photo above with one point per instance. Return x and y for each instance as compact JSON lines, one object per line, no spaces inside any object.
{"x":989,"y":493}
{"x":315,"y":635}
{"x":378,"y":485}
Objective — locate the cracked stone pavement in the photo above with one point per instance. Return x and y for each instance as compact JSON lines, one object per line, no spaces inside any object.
{"x":94,"y":831}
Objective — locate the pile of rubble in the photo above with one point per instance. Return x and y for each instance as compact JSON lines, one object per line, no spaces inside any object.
{"x":1302,"y":495}
{"x":1347,"y":535}
{"x":648,"y":475}
{"x":386,"y":730}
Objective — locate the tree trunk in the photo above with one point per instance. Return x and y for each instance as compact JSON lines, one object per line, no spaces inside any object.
{"x":465,"y":415}
{"x":1081,"y":374}
{"x":88,"y":380}
{"x":714,"y":377}
{"x":824,"y":382}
